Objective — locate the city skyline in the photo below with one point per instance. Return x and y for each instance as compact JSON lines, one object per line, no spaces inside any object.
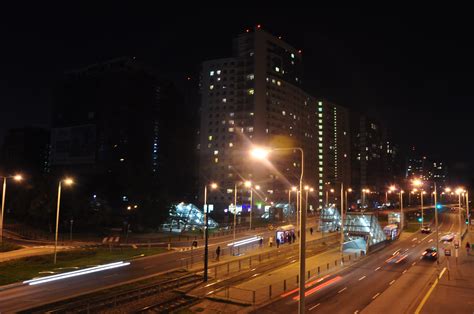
{"x":366,"y":68}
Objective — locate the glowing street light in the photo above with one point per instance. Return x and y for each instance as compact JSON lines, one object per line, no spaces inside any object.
{"x":4,"y":191}
{"x":260,"y":153}
{"x":213,"y":186}
{"x":66,"y":181}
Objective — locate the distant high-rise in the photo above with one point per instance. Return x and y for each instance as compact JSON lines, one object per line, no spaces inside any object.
{"x":334,"y":151}
{"x":255,"y":98}
{"x":375,"y":160}
{"x":118,"y":126}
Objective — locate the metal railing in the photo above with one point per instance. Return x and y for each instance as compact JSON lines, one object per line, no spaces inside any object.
{"x":283,"y":287}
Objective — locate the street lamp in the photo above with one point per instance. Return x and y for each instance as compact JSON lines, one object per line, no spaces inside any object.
{"x":391,"y":189}
{"x":419,"y":183}
{"x":460,"y":191}
{"x":213,"y":186}
{"x":248,"y":184}
{"x":260,"y":153}
{"x":401,"y":210}
{"x":16,"y":178}
{"x":349,"y":190}
{"x":327,"y":196}
{"x":66,"y":181}
{"x":363,"y":196}
{"x":293,"y":189}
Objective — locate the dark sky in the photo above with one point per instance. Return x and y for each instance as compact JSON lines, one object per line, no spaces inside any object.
{"x":412,"y":66}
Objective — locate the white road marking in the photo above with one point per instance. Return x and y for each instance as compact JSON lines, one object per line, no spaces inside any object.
{"x":375,"y":296}
{"x":361,"y":278}
{"x":356,"y":312}
{"x":342,"y":290}
{"x":255,"y":275}
{"x":293,"y":261}
{"x":377,"y":268}
{"x":404,"y":271}
{"x":414,"y":239}
{"x":442,"y":273}
{"x":313,"y":307}
{"x":208,"y":285}
{"x":253,"y":269}
{"x":414,"y":263}
{"x":425,"y":237}
{"x":391,"y":282}
{"x":431,"y":240}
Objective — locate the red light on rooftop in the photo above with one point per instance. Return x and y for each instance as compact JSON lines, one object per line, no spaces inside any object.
{"x":188,"y":78}
{"x":259,"y":26}
{"x":300,"y":51}
{"x":247,"y":30}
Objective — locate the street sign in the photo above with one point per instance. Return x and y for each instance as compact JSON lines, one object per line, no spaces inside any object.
{"x":447,"y":252}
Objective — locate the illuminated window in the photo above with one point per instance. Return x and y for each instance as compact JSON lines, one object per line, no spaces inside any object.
{"x":216,"y":152}
{"x":231,"y":129}
{"x":218,"y":72}
{"x":320,"y":169}
{"x":224,"y":99}
{"x":229,"y":191}
{"x":277,"y":69}
{"x":320,"y":109}
{"x":320,"y":121}
{"x":250,"y":77}
{"x":320,"y":144}
{"x":216,"y":160}
{"x":320,"y":132}
{"x":320,"y":157}
{"x":218,"y":79}
{"x":292,"y":55}
{"x":320,"y":115}
{"x":283,"y":113}
{"x":320,"y":138}
{"x":210,"y":137}
{"x":320,"y":127}
{"x":320,"y":163}
{"x":231,"y":114}
{"x":278,"y":83}
{"x":231,"y":122}
{"x":211,"y":73}
{"x":250,"y":128}
{"x":211,"y":87}
{"x":231,"y":145}
{"x":251,"y":113}
{"x":251,"y":91}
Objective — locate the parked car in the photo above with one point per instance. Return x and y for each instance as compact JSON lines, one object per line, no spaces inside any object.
{"x":426,"y":229}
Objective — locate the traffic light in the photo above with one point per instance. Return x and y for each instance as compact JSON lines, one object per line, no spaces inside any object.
{"x":439,"y":206}
{"x":420,"y":219}
{"x":467,"y":221}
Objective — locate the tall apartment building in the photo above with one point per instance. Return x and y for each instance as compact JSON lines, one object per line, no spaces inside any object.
{"x":334,"y":150}
{"x":256,"y":98}
{"x":375,"y":160}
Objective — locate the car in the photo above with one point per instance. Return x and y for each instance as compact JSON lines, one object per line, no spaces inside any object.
{"x":448,"y":237}
{"x":430,"y":253}
{"x":426,"y":229}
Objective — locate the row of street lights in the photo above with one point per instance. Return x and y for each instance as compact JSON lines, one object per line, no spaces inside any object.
{"x":18,"y":178}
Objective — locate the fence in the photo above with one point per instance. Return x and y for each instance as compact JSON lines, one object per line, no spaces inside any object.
{"x":286,"y":286}
{"x":244,"y":263}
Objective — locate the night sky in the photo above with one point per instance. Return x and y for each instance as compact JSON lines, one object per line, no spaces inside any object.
{"x":412,"y":67}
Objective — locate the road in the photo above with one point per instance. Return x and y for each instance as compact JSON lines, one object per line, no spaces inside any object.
{"x":19,"y":297}
{"x":355,"y":287}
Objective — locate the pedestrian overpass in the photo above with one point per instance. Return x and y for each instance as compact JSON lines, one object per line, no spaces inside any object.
{"x":361,"y":230}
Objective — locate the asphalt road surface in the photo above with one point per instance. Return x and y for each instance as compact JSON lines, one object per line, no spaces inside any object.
{"x":355,"y":287}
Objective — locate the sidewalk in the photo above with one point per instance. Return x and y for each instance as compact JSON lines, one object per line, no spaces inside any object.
{"x":455,"y":294}
{"x":29,"y":251}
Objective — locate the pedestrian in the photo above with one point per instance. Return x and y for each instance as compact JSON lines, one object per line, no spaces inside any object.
{"x":294,"y":237}
{"x":270,"y":241}
{"x":218,"y":253}
{"x":311,"y":230}
{"x":278,"y":243}
{"x":468,"y":247}
{"x":261,"y":242}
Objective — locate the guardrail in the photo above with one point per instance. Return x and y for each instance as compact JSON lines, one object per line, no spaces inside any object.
{"x":284,"y":287}
{"x":98,"y":303}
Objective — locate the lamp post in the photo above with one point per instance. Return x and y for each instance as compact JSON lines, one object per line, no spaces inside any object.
{"x":294,"y":189}
{"x":401,"y":210}
{"x":363,"y":196}
{"x":248,"y":184}
{"x":436,"y":222}
{"x":206,"y":231}
{"x":467,"y":211}
{"x":391,"y":189}
{"x":67,"y":181}
{"x":459,"y":192}
{"x":342,"y":220}
{"x":349,"y":190}
{"x":4,"y":191}
{"x":262,"y":154}
{"x":235,"y":216}
{"x":419,"y":183}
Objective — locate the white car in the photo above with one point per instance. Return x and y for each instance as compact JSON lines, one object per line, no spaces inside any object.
{"x":448,"y":237}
